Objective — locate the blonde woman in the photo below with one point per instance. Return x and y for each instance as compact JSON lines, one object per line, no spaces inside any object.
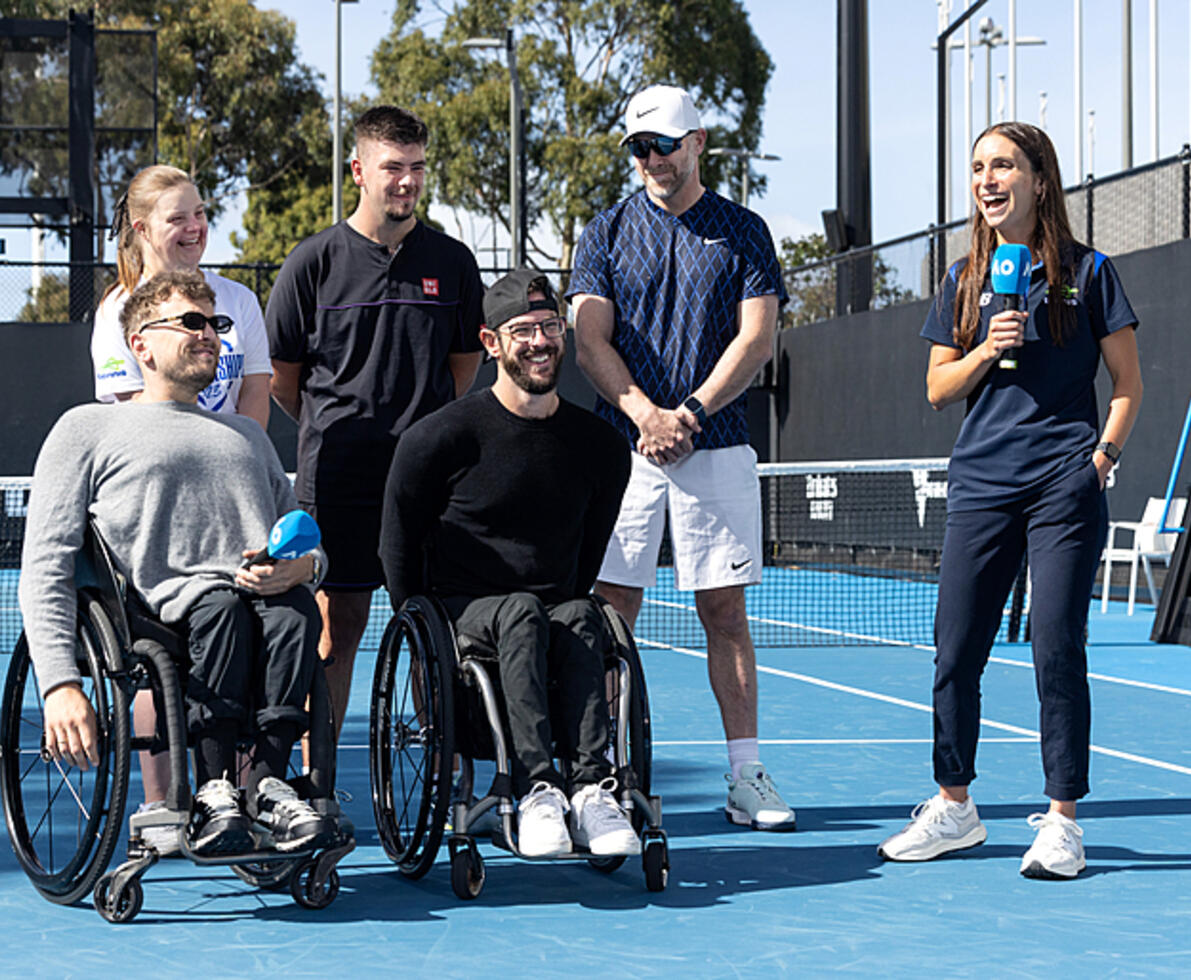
{"x":161,"y":226}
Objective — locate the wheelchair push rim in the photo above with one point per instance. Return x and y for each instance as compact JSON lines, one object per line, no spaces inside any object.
{"x":412,"y":736}
{"x":63,"y":822}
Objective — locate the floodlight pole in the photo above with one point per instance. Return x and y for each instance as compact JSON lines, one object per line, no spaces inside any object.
{"x":518,"y":214}
{"x":337,"y":126}
{"x":744,"y":156}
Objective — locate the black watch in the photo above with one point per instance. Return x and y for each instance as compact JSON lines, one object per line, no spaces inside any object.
{"x":1111,"y":450}
{"x":695,"y":407}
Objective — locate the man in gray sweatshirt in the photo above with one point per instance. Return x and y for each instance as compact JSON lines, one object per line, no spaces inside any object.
{"x":181,"y":496}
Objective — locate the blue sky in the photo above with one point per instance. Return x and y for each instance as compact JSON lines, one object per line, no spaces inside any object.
{"x":800,"y":111}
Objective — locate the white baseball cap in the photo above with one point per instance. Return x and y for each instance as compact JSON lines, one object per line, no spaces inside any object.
{"x":662,"y":109}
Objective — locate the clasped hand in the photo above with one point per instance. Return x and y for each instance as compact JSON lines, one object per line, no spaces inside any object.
{"x":667,"y":434}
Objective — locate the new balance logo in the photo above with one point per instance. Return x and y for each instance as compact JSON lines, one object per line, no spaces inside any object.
{"x":738,"y":565}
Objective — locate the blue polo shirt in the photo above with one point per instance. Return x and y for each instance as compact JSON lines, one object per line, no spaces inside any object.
{"x":1028,"y":428}
{"x":676,"y":282}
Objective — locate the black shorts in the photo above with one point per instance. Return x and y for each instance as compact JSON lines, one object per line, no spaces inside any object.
{"x":351,"y":539}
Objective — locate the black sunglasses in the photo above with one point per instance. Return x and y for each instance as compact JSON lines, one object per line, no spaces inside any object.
{"x":663,"y":146}
{"x":192,"y":321}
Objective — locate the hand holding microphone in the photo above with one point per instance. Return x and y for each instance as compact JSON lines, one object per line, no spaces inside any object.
{"x":1010,"y":275}
{"x":294,"y":535}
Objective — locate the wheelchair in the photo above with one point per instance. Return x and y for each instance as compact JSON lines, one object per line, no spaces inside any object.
{"x":65,"y":823}
{"x":435,"y":700}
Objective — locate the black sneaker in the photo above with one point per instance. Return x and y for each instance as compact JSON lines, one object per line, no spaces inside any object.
{"x":217,"y":824}
{"x":293,"y":822}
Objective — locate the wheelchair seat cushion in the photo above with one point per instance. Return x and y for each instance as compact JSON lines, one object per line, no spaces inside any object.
{"x":145,"y":627}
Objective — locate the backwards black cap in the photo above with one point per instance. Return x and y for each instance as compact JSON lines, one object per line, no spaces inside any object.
{"x":509,"y":297}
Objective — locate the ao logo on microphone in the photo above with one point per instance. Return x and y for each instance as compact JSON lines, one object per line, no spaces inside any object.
{"x":275,"y":534}
{"x":1005,"y":267}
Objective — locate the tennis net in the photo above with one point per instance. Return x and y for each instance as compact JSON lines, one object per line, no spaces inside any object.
{"x":851,"y":557}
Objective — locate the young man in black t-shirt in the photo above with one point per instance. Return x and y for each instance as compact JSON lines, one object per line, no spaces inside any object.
{"x":373,"y":324}
{"x":501,"y":504}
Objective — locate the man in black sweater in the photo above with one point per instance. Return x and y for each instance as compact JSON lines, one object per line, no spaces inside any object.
{"x":501,"y":504}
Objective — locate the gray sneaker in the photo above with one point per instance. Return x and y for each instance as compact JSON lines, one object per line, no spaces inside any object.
{"x":1057,"y":851}
{"x":754,"y":801}
{"x":936,"y":826}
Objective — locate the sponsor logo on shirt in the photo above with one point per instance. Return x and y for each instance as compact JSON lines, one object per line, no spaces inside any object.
{"x":985,"y":298}
{"x":429,"y":287}
{"x":113,"y":367}
{"x":231,"y":367}
{"x":1069,"y":294}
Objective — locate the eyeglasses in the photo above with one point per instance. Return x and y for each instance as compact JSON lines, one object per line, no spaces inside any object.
{"x":192,"y":321}
{"x":663,"y":146}
{"x":524,"y":333}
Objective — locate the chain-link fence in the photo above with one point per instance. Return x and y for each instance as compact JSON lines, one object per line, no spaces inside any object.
{"x":1139,"y":208}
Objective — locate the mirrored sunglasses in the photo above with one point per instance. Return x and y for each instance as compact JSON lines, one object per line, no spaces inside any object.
{"x":663,"y":146}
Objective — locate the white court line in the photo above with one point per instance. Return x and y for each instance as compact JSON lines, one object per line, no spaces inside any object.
{"x":838,"y":741}
{"x":928,"y":648}
{"x":914,"y":705}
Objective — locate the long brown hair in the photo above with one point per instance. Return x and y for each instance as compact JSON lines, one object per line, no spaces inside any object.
{"x":136,"y":205}
{"x":1052,"y":239}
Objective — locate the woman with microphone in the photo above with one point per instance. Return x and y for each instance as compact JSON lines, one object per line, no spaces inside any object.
{"x":160,"y":225}
{"x":1027,"y":476}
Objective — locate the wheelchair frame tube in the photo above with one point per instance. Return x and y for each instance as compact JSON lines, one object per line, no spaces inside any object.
{"x":177,"y":797}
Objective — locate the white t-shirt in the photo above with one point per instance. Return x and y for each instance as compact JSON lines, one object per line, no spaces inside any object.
{"x":244,"y":349}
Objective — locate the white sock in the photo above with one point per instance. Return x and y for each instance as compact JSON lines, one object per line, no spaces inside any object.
{"x":742,"y":752}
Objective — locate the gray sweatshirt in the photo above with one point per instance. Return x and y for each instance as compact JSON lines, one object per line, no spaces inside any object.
{"x":177,"y":493}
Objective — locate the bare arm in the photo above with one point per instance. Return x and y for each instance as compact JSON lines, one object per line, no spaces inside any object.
{"x":665,"y":436}
{"x":952,"y":375}
{"x":254,"y":398}
{"x":742,"y":359}
{"x":1119,"y":350}
{"x":284,"y":387}
{"x":463,"y":368}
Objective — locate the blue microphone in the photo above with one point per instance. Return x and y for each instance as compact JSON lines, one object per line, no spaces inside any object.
{"x":1010,"y":275}
{"x":295,"y":534}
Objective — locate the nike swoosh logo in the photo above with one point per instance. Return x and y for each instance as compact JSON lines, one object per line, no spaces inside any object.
{"x":738,"y":565}
{"x":646,"y":112}
{"x":714,"y":241}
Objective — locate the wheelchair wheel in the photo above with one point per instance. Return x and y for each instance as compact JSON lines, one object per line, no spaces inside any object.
{"x":64,"y":822}
{"x":640,"y":737}
{"x":467,"y":873}
{"x":411,"y":735}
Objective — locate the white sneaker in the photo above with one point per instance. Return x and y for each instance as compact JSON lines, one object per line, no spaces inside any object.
{"x":1057,"y":851}
{"x":599,"y":824}
{"x":163,"y":838}
{"x":542,"y":822}
{"x":754,"y":800}
{"x":936,"y":826}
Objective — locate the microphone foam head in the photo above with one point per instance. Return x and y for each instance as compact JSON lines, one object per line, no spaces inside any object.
{"x":1010,"y":272}
{"x":294,"y":535}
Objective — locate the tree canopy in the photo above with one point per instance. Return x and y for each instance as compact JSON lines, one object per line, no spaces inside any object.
{"x":579,"y":62}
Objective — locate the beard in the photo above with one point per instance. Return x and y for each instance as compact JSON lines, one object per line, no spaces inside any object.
{"x":524,"y":380}
{"x":190,"y":376}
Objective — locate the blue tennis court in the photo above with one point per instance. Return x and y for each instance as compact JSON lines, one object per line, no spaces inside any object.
{"x":846,"y":733}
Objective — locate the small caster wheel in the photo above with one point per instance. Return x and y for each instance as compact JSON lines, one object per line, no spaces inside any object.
{"x":307,"y":893}
{"x":124,"y":905}
{"x":655,"y":859}
{"x":607,"y":864}
{"x":467,"y":873}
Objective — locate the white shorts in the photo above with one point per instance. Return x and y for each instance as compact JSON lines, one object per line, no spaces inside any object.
{"x":714,"y":500}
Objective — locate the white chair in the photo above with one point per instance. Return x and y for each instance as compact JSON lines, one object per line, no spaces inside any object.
{"x":1147,"y":546}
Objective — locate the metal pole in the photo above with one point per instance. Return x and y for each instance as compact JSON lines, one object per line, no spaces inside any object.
{"x":1012,"y":59}
{"x":744,"y":180}
{"x":517,"y":254}
{"x":968,"y":96}
{"x":1078,"y":85}
{"x":337,"y":146}
{"x":1153,"y":79}
{"x":988,"y":46}
{"x":1126,"y":84}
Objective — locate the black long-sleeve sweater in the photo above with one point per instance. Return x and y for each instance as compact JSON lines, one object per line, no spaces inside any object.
{"x":480,"y":501}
